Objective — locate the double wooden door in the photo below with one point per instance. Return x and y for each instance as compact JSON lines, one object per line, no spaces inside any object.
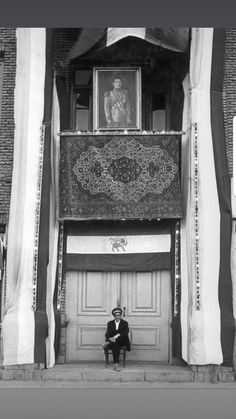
{"x":145,"y":300}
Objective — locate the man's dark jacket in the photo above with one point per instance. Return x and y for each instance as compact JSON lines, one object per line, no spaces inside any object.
{"x":123,"y":330}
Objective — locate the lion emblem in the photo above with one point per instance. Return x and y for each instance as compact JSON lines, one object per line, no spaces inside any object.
{"x":118,"y":243}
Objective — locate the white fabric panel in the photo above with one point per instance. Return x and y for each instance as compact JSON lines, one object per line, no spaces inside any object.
{"x":115,"y":34}
{"x":205,"y":326}
{"x":18,"y":322}
{"x":187,"y":219}
{"x":53,"y":228}
{"x":131,"y":244}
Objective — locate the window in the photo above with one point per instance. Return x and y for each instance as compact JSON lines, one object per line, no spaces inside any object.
{"x":162,"y":73}
{"x":81,"y":100}
{"x":158,"y":113}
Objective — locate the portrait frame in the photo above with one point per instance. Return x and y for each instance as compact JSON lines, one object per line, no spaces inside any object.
{"x":129,"y":101}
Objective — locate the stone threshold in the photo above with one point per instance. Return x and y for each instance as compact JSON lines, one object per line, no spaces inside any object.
{"x":97,"y":372}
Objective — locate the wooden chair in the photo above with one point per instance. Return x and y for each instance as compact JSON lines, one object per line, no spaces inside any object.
{"x":108,"y":352}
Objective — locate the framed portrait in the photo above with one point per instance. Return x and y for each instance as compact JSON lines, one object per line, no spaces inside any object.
{"x":117,"y":98}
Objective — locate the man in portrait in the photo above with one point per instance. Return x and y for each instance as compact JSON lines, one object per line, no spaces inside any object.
{"x":117,"y":106}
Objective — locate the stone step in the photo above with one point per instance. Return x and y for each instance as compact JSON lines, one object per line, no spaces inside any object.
{"x":98,"y":372}
{"x":132,"y":373}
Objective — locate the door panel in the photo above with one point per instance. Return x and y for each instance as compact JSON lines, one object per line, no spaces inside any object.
{"x":90,"y":297}
{"x":146,"y":296}
{"x":141,"y":290}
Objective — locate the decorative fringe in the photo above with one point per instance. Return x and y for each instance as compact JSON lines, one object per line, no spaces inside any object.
{"x":37,"y":216}
{"x":177,"y":269}
{"x":60,"y":265}
{"x":196,"y":217}
{"x":120,"y":132}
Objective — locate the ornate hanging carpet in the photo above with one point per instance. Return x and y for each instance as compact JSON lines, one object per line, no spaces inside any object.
{"x":119,"y":176}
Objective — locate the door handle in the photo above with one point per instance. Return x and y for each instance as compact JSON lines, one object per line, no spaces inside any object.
{"x":124,"y":308}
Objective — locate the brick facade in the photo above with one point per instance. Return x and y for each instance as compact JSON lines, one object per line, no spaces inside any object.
{"x":229,"y":92}
{"x":64,"y":40}
{"x":8,"y":41}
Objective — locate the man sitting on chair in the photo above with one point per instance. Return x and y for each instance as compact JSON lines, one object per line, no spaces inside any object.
{"x":117,"y":336}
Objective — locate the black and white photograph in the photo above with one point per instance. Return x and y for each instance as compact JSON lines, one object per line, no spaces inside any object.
{"x":118,"y":207}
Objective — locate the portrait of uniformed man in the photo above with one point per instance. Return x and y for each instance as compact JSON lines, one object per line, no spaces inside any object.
{"x":117,"y":106}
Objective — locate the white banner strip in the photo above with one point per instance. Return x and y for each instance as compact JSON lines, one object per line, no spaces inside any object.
{"x":119,"y":244}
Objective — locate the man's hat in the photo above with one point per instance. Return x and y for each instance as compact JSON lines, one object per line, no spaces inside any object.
{"x":116,"y":76}
{"x":116,"y":310}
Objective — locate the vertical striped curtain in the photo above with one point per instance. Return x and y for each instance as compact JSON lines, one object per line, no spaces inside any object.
{"x":233,"y":271}
{"x":197,"y":323}
{"x":53,"y":228}
{"x":206,"y":329}
{"x":204,"y":337}
{"x":224,"y":194}
{"x":19,"y":321}
{"x":41,"y":319}
{"x":233,"y":265}
{"x":186,"y":221}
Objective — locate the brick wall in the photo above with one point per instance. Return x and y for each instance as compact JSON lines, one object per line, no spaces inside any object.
{"x":65,"y":39}
{"x":229,"y":92}
{"x":8,"y":41}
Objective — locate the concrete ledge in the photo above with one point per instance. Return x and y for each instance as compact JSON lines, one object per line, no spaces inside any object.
{"x":171,"y":377}
{"x":110,"y":375}
{"x":136,"y":373}
{"x":225,"y":374}
{"x":71,"y":374}
{"x":22,"y":375}
{"x":24,"y":367}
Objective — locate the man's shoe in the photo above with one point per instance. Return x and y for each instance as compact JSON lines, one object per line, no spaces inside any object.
{"x":117,"y":367}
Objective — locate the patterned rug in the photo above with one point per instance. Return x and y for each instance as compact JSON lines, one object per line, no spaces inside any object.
{"x":123,"y":176}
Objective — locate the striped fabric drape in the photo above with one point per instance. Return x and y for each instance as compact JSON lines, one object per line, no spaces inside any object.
{"x":224,"y":195}
{"x":186,"y":226}
{"x":19,"y":321}
{"x":41,"y":321}
{"x":203,"y":325}
{"x":53,"y":228}
{"x":207,"y":328}
{"x":118,"y":246}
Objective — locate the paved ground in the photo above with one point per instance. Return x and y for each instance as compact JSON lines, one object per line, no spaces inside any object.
{"x":105,"y":385}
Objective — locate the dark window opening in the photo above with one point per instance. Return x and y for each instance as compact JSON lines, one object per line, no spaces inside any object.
{"x":162,"y":73}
